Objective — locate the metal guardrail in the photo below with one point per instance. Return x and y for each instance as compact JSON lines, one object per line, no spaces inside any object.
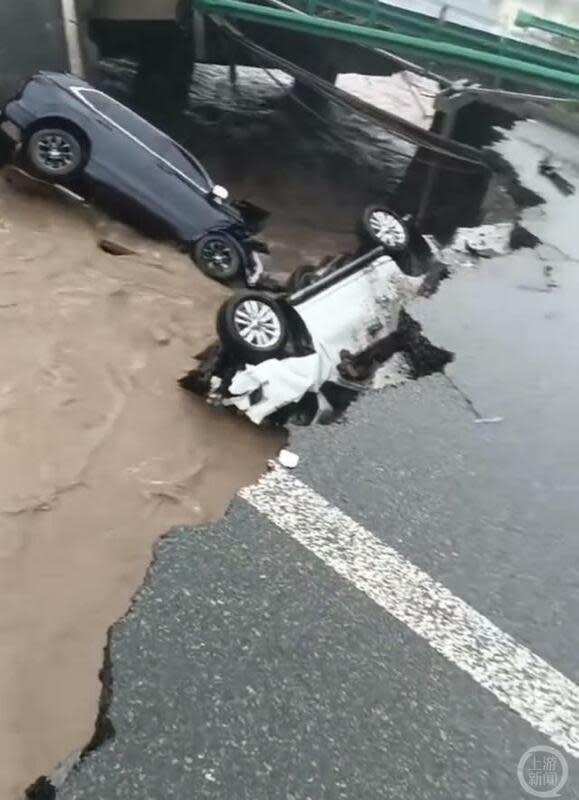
{"x":442,"y":10}
{"x":525,"y":20}
{"x":436,"y":46}
{"x":374,"y":13}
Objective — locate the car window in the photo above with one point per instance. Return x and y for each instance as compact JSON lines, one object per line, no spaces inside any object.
{"x":186,"y":163}
{"x":147,"y":134}
{"x":124,"y":118}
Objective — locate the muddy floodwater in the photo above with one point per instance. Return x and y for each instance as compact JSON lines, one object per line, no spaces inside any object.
{"x":101,"y":453}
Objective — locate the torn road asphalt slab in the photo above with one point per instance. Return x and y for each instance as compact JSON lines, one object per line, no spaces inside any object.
{"x":284,"y":681}
{"x":274,"y":689}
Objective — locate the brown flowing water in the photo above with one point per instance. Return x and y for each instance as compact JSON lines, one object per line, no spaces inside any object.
{"x":101,"y":454}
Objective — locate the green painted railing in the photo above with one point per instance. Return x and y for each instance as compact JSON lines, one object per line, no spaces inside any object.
{"x":525,"y":20}
{"x":373,"y":13}
{"x":436,"y":49}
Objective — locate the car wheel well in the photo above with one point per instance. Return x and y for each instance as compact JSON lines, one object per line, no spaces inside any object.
{"x":65,"y":124}
{"x":299,"y":333}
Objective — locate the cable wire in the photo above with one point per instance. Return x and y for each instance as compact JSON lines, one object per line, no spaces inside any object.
{"x":342,"y":98}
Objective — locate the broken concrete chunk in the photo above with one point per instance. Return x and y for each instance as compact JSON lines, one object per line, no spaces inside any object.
{"x":553,"y":171}
{"x":486,"y":240}
{"x":288,"y":459}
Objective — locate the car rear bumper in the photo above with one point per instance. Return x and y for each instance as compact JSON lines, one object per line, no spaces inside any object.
{"x":14,"y":120}
{"x":12,"y":131}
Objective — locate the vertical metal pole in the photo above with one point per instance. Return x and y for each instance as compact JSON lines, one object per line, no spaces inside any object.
{"x":434,"y":169}
{"x":442,"y":17}
{"x":199,"y":37}
{"x":72,"y":37}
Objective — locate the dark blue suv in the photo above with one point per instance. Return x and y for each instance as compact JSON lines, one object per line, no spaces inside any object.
{"x":68,"y":132}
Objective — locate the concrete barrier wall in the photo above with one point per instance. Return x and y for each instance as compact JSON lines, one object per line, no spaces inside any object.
{"x":31,"y":38}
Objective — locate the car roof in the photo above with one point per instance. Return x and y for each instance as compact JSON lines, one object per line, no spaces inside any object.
{"x":63,"y":79}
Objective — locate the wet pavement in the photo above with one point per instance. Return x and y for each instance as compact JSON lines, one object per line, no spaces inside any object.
{"x":248,"y":668}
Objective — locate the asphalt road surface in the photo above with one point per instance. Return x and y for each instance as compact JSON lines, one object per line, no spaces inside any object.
{"x":396,"y":618}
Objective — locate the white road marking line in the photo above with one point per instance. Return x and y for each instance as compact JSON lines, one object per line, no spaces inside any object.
{"x":516,"y":676}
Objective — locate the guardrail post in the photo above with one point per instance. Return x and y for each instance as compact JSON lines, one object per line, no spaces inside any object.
{"x":450,"y":111}
{"x":373,"y":12}
{"x":70,"y":21}
{"x":199,"y":35}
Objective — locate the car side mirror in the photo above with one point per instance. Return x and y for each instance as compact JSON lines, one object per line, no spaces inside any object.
{"x":220,"y":193}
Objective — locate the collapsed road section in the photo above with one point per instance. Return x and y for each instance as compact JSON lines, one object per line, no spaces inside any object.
{"x":101,"y":451}
{"x":105,"y":452}
{"x":400,"y":619}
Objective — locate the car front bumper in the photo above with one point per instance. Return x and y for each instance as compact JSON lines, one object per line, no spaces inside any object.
{"x":253,"y":216}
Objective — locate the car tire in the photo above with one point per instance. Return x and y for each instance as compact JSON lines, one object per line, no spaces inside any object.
{"x":381,"y":226}
{"x":55,"y":153}
{"x":219,"y":256}
{"x":253,"y":326}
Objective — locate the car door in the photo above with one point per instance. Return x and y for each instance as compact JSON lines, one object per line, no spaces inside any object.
{"x":189,"y":189}
{"x":129,"y":162}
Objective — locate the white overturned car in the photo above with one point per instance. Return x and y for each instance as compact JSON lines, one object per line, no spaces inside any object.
{"x":282,"y":356}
